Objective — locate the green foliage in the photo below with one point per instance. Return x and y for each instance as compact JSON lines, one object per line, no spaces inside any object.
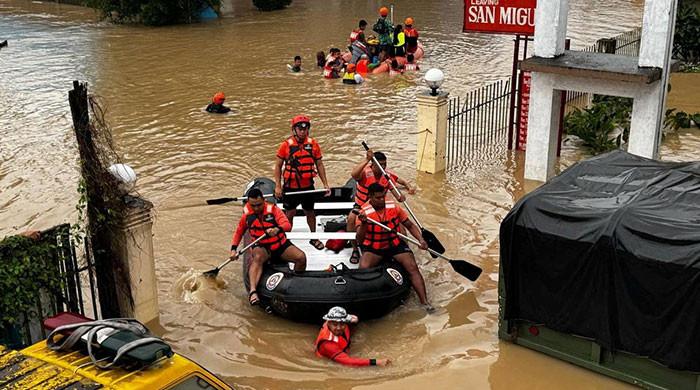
{"x":27,"y":268}
{"x":696,"y":118}
{"x":596,"y":125}
{"x":675,"y":120}
{"x":153,"y":12}
{"x":271,"y":5}
{"x":686,"y":41}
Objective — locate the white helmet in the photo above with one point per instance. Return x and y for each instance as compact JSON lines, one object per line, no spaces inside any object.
{"x":338,"y":314}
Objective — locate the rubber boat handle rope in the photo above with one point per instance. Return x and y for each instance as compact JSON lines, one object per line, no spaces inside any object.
{"x":463,"y":267}
{"x":226,"y":200}
{"x":216,"y":270}
{"x":393,"y":186}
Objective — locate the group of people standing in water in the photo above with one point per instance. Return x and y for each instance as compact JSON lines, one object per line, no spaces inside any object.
{"x":369,"y":52}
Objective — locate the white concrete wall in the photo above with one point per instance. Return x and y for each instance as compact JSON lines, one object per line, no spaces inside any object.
{"x":542,"y":136}
{"x":657,"y":29}
{"x":551,"y":17}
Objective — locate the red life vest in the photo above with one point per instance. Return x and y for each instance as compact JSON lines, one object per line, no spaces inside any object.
{"x":361,"y":194}
{"x":376,"y":237}
{"x":300,"y":166}
{"x":354,"y":34}
{"x":326,"y":336}
{"x":257,"y":224}
{"x":328,"y":72}
{"x":362,"y":67}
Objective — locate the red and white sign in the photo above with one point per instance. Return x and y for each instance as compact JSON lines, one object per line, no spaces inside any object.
{"x":500,"y":16}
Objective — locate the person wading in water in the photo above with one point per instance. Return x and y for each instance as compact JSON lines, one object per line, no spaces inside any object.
{"x":217,"y":104}
{"x":298,"y":162}
{"x":333,"y":340}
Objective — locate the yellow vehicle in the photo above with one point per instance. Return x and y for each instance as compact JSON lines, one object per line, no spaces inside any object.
{"x":41,"y":367}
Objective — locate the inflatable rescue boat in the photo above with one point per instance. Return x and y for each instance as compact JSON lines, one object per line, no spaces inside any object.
{"x":330,"y":279}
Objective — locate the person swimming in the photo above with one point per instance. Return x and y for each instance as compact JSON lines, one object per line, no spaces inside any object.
{"x":217,"y":104}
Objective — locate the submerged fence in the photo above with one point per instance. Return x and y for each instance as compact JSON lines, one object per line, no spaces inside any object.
{"x":478,"y":120}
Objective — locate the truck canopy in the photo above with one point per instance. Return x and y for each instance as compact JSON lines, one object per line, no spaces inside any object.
{"x":610,"y":250}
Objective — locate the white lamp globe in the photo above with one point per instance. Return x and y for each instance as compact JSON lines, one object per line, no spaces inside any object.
{"x":434,"y":78}
{"x":125,"y":174}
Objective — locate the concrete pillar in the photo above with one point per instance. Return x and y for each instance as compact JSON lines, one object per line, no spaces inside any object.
{"x":432,"y":132}
{"x":135,"y":245}
{"x":543,"y":121}
{"x":645,"y":127}
{"x":657,"y":32}
{"x":550,"y":27}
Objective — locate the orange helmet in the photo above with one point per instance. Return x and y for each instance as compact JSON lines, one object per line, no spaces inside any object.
{"x":350,"y":68}
{"x":408,"y":21}
{"x":218,"y":98}
{"x":384,"y":11}
{"x":301,"y":120}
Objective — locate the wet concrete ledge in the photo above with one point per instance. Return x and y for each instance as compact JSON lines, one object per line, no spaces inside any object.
{"x":595,"y":65}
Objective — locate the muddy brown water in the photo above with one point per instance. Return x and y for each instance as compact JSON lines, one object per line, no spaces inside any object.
{"x":155,"y":83}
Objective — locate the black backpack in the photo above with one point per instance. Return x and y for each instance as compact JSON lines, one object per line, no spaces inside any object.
{"x":380,"y":27}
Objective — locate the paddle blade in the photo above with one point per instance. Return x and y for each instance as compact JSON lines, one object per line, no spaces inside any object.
{"x":212,"y":273}
{"x":466,"y":269}
{"x":221,"y":200}
{"x":433,"y":243}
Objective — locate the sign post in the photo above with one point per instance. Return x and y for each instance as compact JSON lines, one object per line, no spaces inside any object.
{"x":500,"y":16}
{"x":504,"y":17}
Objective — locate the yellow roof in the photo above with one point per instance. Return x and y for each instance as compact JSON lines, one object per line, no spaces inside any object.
{"x":39,"y":367}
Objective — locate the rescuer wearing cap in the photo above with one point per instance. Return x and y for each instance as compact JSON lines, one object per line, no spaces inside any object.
{"x":298,"y":162}
{"x":334,"y":339}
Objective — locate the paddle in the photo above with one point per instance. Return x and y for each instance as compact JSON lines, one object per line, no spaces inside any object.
{"x":430,"y":238}
{"x":226,"y":200}
{"x":462,"y":267}
{"x":212,"y":273}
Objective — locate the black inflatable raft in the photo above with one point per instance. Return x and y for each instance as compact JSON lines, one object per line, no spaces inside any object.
{"x":330,"y":279}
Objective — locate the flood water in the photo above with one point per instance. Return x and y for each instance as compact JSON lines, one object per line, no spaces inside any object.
{"x":154,"y":84}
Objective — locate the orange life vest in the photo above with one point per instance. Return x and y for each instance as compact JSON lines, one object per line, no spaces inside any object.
{"x":411,"y":39}
{"x":326,"y":336}
{"x":300,"y":165}
{"x":361,"y":193}
{"x":376,"y":237}
{"x":257,"y":224}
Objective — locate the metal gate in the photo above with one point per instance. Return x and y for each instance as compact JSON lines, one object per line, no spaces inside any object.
{"x":478,"y":122}
{"x":77,"y":293}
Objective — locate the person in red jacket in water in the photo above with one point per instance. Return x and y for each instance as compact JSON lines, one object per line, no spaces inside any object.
{"x":333,"y":340}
